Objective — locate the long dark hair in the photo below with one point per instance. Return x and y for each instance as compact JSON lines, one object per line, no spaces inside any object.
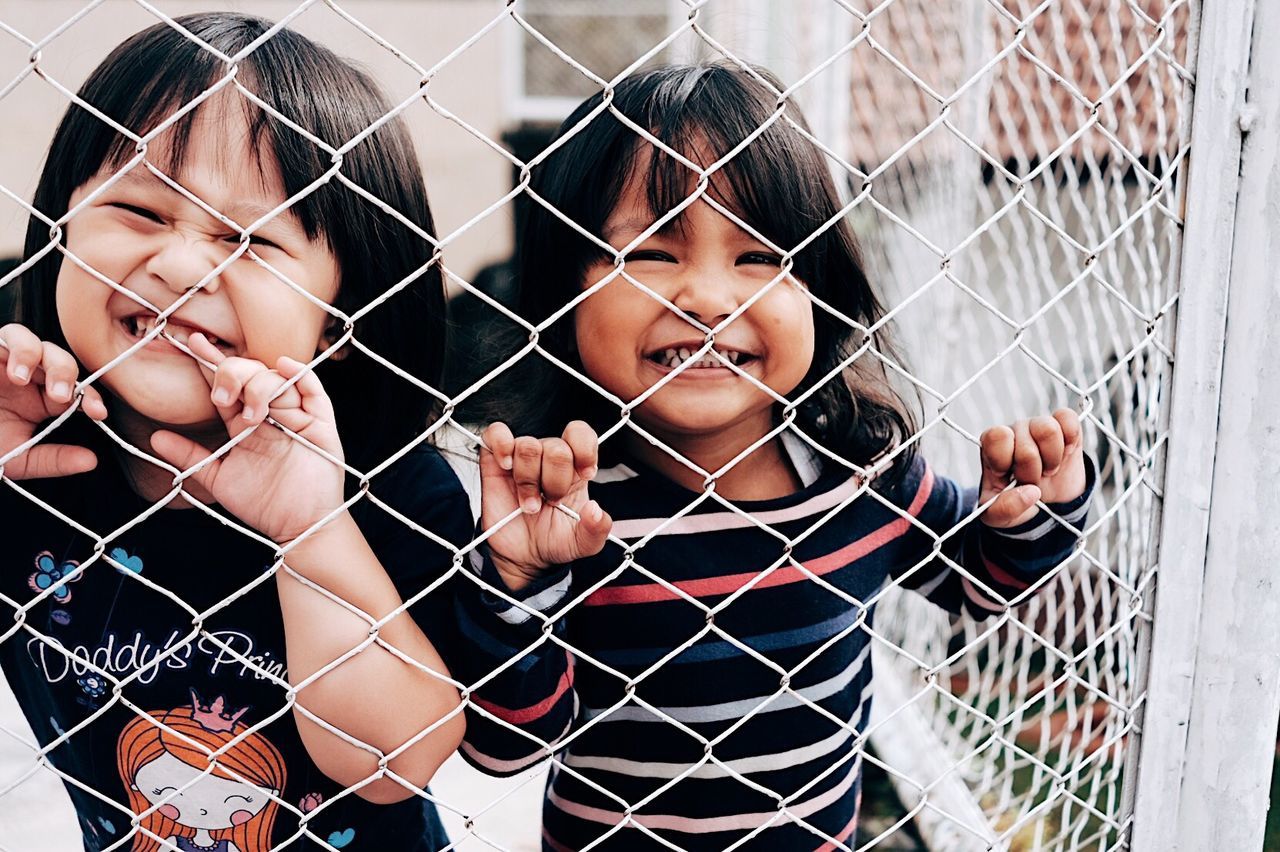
{"x":779,"y":184}
{"x":155,"y":72}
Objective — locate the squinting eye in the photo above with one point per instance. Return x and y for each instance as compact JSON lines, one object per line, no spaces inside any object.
{"x":255,"y":241}
{"x":649,"y":254}
{"x":761,"y":257}
{"x":137,"y":211}
{"x":247,"y":800}
{"x":262,"y":242}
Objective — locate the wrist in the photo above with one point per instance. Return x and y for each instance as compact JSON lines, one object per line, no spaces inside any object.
{"x":515,"y":576}
{"x":340,"y":527}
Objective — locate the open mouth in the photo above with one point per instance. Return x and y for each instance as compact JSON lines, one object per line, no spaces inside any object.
{"x":672,"y":358}
{"x":139,"y":326}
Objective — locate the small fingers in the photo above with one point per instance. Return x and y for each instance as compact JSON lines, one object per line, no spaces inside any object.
{"x":1012,"y":507}
{"x":1027,"y":466}
{"x":260,"y":395}
{"x":52,"y":460}
{"x":60,"y":370}
{"x":1047,"y":434}
{"x":200,"y":345}
{"x":229,"y":380}
{"x":996,"y":450}
{"x":314,"y":399}
{"x":1072,"y":432}
{"x":93,"y":405}
{"x":584,"y":444}
{"x":557,"y":469}
{"x":526,"y":471}
{"x":592,"y":530}
{"x":24,"y":353}
{"x":499,"y":443}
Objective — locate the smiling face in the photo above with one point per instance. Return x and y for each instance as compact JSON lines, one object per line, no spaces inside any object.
{"x":708,"y":267}
{"x":157,"y":244}
{"x":210,"y":803}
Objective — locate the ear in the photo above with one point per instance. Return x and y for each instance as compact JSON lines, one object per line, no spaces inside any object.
{"x":334,"y":329}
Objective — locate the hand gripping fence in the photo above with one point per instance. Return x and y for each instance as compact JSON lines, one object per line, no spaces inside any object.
{"x":1015,"y":171}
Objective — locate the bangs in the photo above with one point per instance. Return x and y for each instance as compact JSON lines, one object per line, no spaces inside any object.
{"x":736,"y":185}
{"x":778,"y":183}
{"x":168,"y":151}
{"x":168,"y":71}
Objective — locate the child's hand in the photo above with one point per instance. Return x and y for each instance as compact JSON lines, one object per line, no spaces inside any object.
{"x":1043,"y":454}
{"x":270,"y":481}
{"x":38,"y":383}
{"x":535,"y":476}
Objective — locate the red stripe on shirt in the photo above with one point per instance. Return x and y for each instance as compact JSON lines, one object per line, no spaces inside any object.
{"x":730,"y":583}
{"x":524,"y":715}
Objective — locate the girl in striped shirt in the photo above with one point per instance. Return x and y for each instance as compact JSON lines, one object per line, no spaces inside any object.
{"x":703,"y":675}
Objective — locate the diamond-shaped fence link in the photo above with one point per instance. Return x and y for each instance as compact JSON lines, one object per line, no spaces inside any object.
{"x":1012,"y":170}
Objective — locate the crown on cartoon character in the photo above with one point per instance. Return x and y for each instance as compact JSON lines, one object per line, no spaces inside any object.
{"x":213,"y":717}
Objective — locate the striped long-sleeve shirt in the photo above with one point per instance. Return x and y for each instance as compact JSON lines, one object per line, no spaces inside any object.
{"x":714,"y":674}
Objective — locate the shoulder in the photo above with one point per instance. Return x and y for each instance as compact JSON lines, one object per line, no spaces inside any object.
{"x":423,"y":488}
{"x":906,"y":481}
{"x":422,"y":472}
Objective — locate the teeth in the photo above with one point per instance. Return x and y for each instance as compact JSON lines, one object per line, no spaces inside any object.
{"x":675,"y":357}
{"x":141,"y":326}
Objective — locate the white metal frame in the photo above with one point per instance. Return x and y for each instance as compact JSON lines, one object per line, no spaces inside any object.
{"x":1203,"y":773}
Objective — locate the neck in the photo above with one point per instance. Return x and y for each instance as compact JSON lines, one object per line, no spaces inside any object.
{"x":764,"y":474}
{"x":148,"y":480}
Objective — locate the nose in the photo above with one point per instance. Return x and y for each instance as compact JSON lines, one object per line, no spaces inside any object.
{"x":181,"y":262}
{"x":707,"y":294}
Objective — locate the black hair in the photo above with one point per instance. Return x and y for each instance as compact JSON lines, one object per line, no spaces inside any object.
{"x":153,"y":73}
{"x":779,"y":184}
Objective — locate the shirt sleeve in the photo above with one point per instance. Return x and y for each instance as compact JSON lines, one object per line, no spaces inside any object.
{"x":522,"y":701}
{"x":961,"y":564}
{"x":416,"y":523}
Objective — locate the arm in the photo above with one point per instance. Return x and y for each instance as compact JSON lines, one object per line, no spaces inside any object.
{"x":284,"y":489}
{"x":374,"y":696}
{"x":514,"y":718}
{"x":1014,"y":542}
{"x":521,"y":577}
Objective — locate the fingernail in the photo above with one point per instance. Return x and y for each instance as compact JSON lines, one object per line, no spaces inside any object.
{"x":61,"y":390}
{"x":593,"y":512}
{"x":531,"y":505}
{"x":506,"y":462}
{"x":590,"y":473}
{"x":23,"y":372}
{"x":222,"y":396}
{"x":248,"y":413}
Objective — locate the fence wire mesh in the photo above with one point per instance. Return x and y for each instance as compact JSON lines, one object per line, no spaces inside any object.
{"x":1013,"y":171}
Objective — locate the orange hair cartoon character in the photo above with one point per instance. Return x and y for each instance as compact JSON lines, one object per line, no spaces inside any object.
{"x":218,"y":812}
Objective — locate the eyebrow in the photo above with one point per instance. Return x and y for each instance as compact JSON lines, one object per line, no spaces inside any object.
{"x":243,"y":212}
{"x":635,"y":227}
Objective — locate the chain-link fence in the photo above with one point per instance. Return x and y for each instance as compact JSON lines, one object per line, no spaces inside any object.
{"x":1015,"y":172}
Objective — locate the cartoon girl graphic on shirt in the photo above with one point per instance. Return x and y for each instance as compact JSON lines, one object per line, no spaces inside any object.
{"x":218,"y":812}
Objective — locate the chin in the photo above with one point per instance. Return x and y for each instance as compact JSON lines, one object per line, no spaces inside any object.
{"x":176,"y":403}
{"x":177,"y":411}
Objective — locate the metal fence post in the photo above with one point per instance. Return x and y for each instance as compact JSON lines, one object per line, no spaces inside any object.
{"x":1210,"y":720}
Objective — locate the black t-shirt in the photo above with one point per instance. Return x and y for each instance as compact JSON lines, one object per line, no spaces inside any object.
{"x":191,"y":628}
